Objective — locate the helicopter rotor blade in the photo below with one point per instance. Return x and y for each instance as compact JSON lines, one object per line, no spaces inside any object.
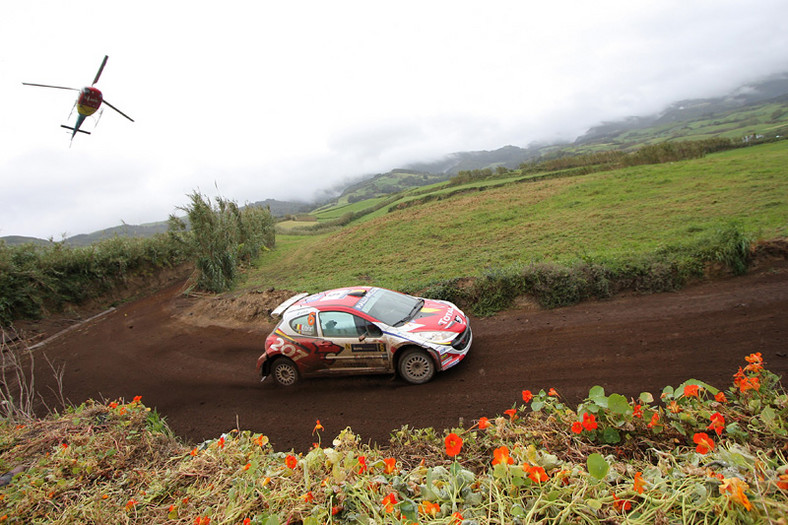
{"x":119,"y":111}
{"x":48,"y":86}
{"x":103,"y":63}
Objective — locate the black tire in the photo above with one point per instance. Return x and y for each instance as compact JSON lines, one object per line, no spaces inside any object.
{"x":284,"y":372}
{"x":416,"y":366}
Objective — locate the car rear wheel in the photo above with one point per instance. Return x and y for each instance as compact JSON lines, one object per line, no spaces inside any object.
{"x":284,"y":372}
{"x":416,"y":366}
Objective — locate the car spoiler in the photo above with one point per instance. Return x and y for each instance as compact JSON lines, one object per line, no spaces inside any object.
{"x":279,"y":310}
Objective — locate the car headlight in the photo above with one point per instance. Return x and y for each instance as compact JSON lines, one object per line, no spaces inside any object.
{"x":438,"y":337}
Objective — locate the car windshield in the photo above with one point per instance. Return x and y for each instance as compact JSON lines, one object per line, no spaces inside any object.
{"x":392,"y":308}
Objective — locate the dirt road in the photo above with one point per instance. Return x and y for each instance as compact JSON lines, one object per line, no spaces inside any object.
{"x":203,"y":378}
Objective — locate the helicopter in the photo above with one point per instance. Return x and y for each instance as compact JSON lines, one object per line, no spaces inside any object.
{"x":88,"y":102}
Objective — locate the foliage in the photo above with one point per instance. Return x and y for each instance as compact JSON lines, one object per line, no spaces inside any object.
{"x":695,"y":455}
{"x":223,"y":237}
{"x":35,"y":279}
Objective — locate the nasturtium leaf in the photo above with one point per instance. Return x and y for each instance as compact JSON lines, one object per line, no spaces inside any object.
{"x":537,"y":405}
{"x":646,"y":397}
{"x":596,"y":391}
{"x":618,"y":404}
{"x":409,"y":510}
{"x":611,"y":435}
{"x":517,"y":511}
{"x":594,"y":504}
{"x":597,"y":466}
{"x":667,"y":393}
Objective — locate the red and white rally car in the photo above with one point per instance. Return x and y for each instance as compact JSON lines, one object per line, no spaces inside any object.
{"x":364,"y":330}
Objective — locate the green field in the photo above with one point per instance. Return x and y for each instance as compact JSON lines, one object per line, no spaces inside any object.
{"x":611,"y":216}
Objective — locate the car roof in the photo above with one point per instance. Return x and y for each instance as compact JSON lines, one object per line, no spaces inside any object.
{"x":345,"y":297}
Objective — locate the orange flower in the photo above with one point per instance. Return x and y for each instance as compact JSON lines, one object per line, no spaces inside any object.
{"x":308,"y":497}
{"x":639,"y":482}
{"x":202,"y":520}
{"x":246,"y":467}
{"x":429,"y":508}
{"x":390,"y":465}
{"x":131,"y":503}
{"x":749,"y":383}
{"x":756,"y":362}
{"x":501,"y":455}
{"x":453,"y":444}
{"x":782,"y":482}
{"x":705,"y":443}
{"x":536,"y":473}
{"x":483,"y":423}
{"x":114,"y":404}
{"x":720,"y":397}
{"x":734,"y":488}
{"x":318,"y":426}
{"x":512,"y":413}
{"x":717,"y":423}
{"x":457,"y":518}
{"x":654,"y":420}
{"x":261,"y":440}
{"x":589,"y":421}
{"x":527,"y":396}
{"x":552,"y":392}
{"x":136,"y":399}
{"x":637,"y":411}
{"x":691,"y":391}
{"x":362,"y":464}
{"x":194,"y":452}
{"x":291,"y":461}
{"x":220,"y":443}
{"x":389,"y":502}
{"x":674,"y":407}
{"x":621,"y":505}
{"x":577,"y":427}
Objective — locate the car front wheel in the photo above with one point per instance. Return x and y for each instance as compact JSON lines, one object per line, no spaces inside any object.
{"x":284,"y":372}
{"x":416,"y":366}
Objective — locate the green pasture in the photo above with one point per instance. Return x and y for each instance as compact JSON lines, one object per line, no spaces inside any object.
{"x":608,"y":216}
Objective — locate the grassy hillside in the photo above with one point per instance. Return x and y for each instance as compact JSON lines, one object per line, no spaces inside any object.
{"x":614,"y":216}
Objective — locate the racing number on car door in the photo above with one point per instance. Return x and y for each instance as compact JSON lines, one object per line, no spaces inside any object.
{"x":362,"y":343}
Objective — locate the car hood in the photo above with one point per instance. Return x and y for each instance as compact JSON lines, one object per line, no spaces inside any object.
{"x":437,"y":316}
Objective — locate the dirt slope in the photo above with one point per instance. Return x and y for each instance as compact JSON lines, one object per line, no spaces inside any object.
{"x":202,"y":376}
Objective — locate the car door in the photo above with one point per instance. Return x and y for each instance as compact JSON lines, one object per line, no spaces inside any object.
{"x":362,"y":342}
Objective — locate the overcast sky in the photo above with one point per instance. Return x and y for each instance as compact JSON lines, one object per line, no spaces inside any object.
{"x":256,"y":99}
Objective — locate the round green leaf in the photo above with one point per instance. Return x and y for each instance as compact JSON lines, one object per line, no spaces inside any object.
{"x":597,"y":466}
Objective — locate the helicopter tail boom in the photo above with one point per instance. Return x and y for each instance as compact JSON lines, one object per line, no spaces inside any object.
{"x":75,"y":129}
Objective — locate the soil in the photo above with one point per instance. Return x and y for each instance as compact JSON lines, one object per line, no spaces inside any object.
{"x":193,"y":358}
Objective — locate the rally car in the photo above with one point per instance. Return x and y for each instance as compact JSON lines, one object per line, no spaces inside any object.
{"x":364,"y":330}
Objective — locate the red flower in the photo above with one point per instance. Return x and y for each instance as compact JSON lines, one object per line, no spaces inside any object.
{"x":457,"y":518}
{"x":720,"y":397}
{"x":512,"y":413}
{"x":291,"y":461}
{"x":362,"y":464}
{"x":318,"y":426}
{"x":391,"y":465}
{"x":637,"y":411}
{"x":501,"y":455}
{"x":717,"y":423}
{"x":705,"y":443}
{"x":691,"y":391}
{"x":527,"y":396}
{"x":577,"y":427}
{"x":654,"y":420}
{"x":389,"y":502}
{"x":552,"y":392}
{"x":429,"y":508}
{"x":537,"y":474}
{"x":589,"y":421}
{"x":453,"y":444}
{"x":483,"y":423}
{"x":308,"y":497}
{"x":136,"y":399}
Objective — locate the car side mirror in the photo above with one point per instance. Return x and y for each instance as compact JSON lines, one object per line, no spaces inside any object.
{"x":371,"y":331}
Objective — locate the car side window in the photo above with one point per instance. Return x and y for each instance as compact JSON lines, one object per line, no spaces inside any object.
{"x":304,"y":325}
{"x":340,"y":324}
